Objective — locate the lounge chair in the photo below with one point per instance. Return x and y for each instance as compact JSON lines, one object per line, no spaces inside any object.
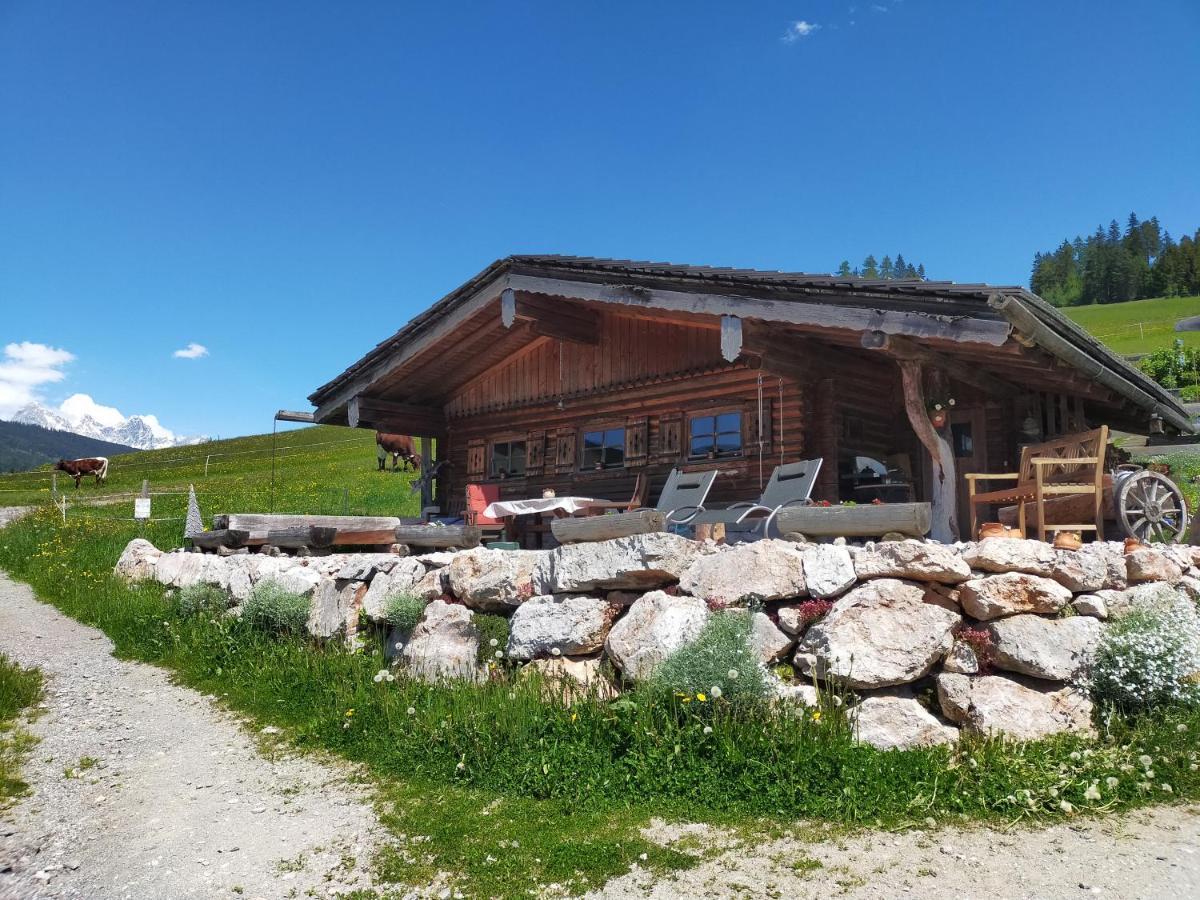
{"x":790,"y":485}
{"x":683,"y":496}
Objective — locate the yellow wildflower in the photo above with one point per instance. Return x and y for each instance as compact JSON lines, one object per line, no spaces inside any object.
{"x":701,"y":697}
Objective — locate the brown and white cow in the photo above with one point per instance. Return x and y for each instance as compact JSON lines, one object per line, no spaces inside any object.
{"x":77,"y":468}
{"x":400,"y":446}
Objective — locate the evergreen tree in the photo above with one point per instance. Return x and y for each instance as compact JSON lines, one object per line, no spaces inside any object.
{"x":900,"y":267}
{"x":921,"y":271}
{"x":844,"y":269}
{"x":870,"y":268}
{"x":885,"y":268}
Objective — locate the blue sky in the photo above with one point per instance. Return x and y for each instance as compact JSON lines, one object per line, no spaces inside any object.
{"x":286,"y":184}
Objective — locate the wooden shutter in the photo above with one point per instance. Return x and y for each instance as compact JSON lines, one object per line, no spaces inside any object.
{"x":670,"y":437}
{"x":476,"y":458}
{"x":636,"y":434}
{"x":750,"y":427}
{"x":535,"y":452}
{"x":565,"y":452}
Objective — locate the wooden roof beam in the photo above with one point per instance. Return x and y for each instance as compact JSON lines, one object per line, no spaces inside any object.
{"x":398,"y":418}
{"x":905,"y":349}
{"x":550,"y":318}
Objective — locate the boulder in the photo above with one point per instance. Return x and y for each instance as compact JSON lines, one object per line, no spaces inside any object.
{"x":656,"y":625}
{"x":961,"y":659}
{"x":436,"y":559}
{"x":911,"y":559}
{"x":434,"y":584}
{"x":1004,"y":595}
{"x":570,"y":625}
{"x":896,"y":720}
{"x":1149,"y":564}
{"x":400,"y":578}
{"x":445,"y":644}
{"x":790,"y":620}
{"x":954,"y":696}
{"x":1025,"y":709}
{"x":296,"y":579}
{"x":180,"y":569}
{"x":335,"y":606}
{"x":828,"y":570}
{"x":1091,"y":605}
{"x":567,"y":680}
{"x":768,"y":643}
{"x":493,"y":580}
{"x":1141,"y":596}
{"x":1012,"y":555}
{"x":1053,"y":649}
{"x":757,"y":571}
{"x":794,"y":691}
{"x":1112,"y":555}
{"x":138,"y":560}
{"x":1189,"y":586}
{"x":1078,"y":571}
{"x":880,"y":634}
{"x":637,"y":562}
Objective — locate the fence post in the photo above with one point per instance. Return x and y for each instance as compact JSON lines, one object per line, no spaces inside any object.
{"x":345,"y":501}
{"x":54,"y":486}
{"x":206,"y":459}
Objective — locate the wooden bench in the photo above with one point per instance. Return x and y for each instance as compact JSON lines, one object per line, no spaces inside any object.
{"x":1069,"y":465}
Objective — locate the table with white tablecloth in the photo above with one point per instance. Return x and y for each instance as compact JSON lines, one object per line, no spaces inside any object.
{"x":503,"y":509}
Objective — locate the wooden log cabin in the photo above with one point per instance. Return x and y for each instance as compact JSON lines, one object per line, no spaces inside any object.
{"x":579,"y":374}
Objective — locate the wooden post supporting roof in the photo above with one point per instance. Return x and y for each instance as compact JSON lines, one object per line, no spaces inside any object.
{"x":942,"y":491}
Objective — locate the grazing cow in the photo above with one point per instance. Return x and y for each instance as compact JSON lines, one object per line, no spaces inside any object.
{"x":401,"y":448}
{"x":77,"y":468}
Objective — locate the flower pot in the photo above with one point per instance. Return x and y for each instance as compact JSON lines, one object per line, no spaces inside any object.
{"x":937,"y":418}
{"x":1132,"y":544}
{"x":1067,"y":540}
{"x":991,"y":530}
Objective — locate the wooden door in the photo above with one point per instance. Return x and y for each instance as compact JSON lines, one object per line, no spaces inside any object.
{"x":968,"y":441}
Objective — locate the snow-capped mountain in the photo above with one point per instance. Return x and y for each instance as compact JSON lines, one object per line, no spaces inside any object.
{"x":75,"y":416}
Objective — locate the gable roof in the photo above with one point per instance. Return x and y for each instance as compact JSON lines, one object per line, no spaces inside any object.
{"x":1013,"y":307}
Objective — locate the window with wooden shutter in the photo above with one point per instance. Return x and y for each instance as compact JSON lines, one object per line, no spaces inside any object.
{"x":670,"y":437}
{"x":751,"y":437}
{"x":565,"y":455}
{"x":636,"y":432}
{"x":535,"y":452}
{"x":476,"y":459}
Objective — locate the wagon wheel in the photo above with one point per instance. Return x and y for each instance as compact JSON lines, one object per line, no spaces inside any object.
{"x":1150,"y":507}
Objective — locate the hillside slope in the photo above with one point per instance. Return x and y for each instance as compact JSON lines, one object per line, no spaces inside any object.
{"x":1139,"y":326}
{"x":25,"y":446}
{"x":320,"y":469}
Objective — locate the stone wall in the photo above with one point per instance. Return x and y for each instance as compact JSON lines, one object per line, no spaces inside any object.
{"x":901,"y":623}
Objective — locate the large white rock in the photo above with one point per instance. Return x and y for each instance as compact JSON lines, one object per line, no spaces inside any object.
{"x":181,"y":569}
{"x":656,"y":625}
{"x":913,"y":560}
{"x":896,"y":720}
{"x":434,"y":585}
{"x":1091,"y":605}
{"x":1053,"y":649}
{"x":961,"y":659}
{"x":298,"y":579}
{"x":334,"y":607}
{"x":954,"y":696}
{"x":752,"y":572}
{"x":1020,"y":708}
{"x":768,"y":643}
{"x":445,"y":644}
{"x":570,"y":625}
{"x":1141,"y":596}
{"x":493,"y":580}
{"x":1005,"y":595}
{"x":1149,"y":564}
{"x":1112,"y":554}
{"x":400,"y":578}
{"x":828,"y":570}
{"x":1011,"y":555}
{"x":637,"y":562}
{"x":138,"y":560}
{"x":567,"y":680}
{"x":880,"y":634}
{"x":1078,"y":571}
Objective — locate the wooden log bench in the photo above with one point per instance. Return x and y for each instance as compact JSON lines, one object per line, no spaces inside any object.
{"x":223,"y":537}
{"x":458,"y":537}
{"x":573,"y":530}
{"x":869,"y":520}
{"x":350,"y":530}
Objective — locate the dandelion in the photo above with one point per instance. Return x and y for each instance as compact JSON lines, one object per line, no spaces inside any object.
{"x":733,"y":674}
{"x":1111,"y":783}
{"x":716,"y":691}
{"x":816,"y":716}
{"x":493,"y":642}
{"x":399,"y":645}
{"x":499,"y":654}
{"x":708,"y":729}
{"x":701,"y":697}
{"x":350,"y":712}
{"x":1166,"y":789}
{"x":973,"y":763}
{"x":461,"y":765}
{"x":1092,"y":794}
{"x":512,"y":696}
{"x":1075,"y":756}
{"x":412,"y":711}
{"x":378,"y":677}
{"x":389,"y":677}
{"x":1145,"y":761}
{"x":1065,"y":806}
{"x":1181,"y":728}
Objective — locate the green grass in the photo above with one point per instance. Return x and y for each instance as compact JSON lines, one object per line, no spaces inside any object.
{"x":19,"y":689}
{"x":322,"y":469}
{"x":507,"y":792}
{"x":1138,"y":326}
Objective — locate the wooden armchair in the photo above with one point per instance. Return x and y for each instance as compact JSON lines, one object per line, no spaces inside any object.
{"x":1071,"y":464}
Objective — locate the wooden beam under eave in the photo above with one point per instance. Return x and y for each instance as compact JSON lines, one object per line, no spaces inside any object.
{"x":903,"y":348}
{"x":400,"y":418}
{"x":563,"y":320}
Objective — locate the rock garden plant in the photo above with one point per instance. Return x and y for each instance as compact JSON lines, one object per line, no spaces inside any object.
{"x":272,"y":607}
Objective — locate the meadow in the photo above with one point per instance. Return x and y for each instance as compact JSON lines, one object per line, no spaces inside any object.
{"x":19,"y":689}
{"x":1139,"y":326}
{"x":508,"y":791}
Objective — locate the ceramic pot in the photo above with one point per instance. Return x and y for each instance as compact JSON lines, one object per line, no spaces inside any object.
{"x":1067,"y":540}
{"x":991,"y":530}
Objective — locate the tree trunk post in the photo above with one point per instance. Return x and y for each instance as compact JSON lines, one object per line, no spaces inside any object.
{"x":944,"y":526}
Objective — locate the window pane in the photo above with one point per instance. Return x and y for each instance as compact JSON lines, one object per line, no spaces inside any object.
{"x":593,"y":439}
{"x":614,"y":456}
{"x":516,"y":458}
{"x":701,"y":445}
{"x":729,"y":422}
{"x":729,"y":443}
{"x":499,"y":459}
{"x":702,"y":425}
{"x":962,"y":439}
{"x":615,"y":437}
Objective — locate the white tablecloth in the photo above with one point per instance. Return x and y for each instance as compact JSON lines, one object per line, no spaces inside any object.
{"x":502,"y":509}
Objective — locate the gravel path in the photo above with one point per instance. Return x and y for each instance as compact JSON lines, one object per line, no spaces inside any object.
{"x":1151,"y":854}
{"x":167,"y":796}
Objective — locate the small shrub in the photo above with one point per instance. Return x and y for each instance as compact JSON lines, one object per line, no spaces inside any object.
{"x":200,"y":599}
{"x":720,"y":657}
{"x":272,"y":607}
{"x":811,"y":611}
{"x":980,"y":640}
{"x":491,"y":628}
{"x":404,"y":611}
{"x":1149,"y":658}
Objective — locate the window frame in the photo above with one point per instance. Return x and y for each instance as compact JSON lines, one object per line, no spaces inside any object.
{"x":716,"y":433}
{"x":604,"y":429}
{"x":492,"y":475}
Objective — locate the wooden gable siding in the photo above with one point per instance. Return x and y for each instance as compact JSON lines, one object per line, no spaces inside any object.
{"x":630,"y":350}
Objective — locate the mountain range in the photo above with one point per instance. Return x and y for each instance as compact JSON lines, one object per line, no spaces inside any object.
{"x":24,"y":446}
{"x":139,"y":432}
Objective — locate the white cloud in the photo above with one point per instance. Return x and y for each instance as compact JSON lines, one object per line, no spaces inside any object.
{"x":191,"y":351}
{"x":799,"y":29}
{"x":77,"y":407}
{"x":26,"y":367}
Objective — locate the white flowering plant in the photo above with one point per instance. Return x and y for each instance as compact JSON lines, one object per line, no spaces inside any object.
{"x":403,"y":611}
{"x":719,"y":664}
{"x":1149,"y":657}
